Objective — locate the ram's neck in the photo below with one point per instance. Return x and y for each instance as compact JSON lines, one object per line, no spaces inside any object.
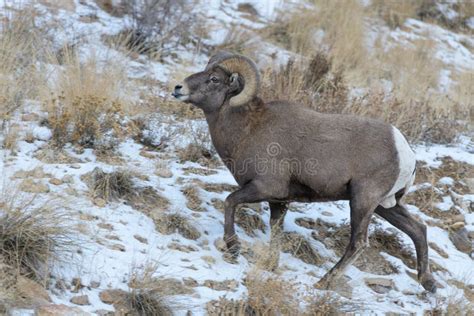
{"x":230,"y":126}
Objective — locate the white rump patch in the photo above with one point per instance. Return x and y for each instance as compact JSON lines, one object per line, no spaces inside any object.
{"x":406,"y":164}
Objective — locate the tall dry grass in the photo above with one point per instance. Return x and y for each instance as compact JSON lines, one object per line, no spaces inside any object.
{"x":19,"y":50}
{"x":87,"y":100}
{"x":32,"y":235}
{"x":400,"y":82}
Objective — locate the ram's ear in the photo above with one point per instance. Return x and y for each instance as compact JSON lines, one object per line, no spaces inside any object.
{"x":234,"y":82}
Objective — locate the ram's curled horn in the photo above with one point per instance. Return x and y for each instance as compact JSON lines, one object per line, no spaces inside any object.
{"x":245,"y":67}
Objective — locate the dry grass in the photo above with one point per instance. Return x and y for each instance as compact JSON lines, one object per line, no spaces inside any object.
{"x":300,"y":247}
{"x":147,"y":296}
{"x":174,"y":223}
{"x":413,"y":102}
{"x":19,"y":50}
{"x":110,"y":186}
{"x":269,"y":294}
{"x":87,"y":101}
{"x":395,"y":13}
{"x":343,"y":27}
{"x":33,"y":236}
{"x":249,"y":221}
{"x":410,"y":107}
{"x":323,"y":305}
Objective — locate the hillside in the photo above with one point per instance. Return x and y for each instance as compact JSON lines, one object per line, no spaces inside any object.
{"x":112,"y":194}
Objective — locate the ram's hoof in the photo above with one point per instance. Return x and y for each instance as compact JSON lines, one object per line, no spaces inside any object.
{"x":233,"y":246}
{"x":428,"y":282}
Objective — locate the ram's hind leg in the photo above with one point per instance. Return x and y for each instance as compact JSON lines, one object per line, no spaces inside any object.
{"x":363,"y":203}
{"x":399,"y":217}
{"x":277,"y":217}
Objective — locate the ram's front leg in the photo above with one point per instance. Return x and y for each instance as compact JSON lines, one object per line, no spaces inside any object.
{"x":249,"y":193}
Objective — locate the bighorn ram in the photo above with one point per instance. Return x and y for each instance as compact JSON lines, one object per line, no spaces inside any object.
{"x":281,"y":152}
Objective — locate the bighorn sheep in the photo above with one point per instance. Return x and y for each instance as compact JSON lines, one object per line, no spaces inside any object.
{"x":281,"y":152}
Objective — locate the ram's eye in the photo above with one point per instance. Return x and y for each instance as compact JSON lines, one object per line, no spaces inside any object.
{"x":214,"y":79}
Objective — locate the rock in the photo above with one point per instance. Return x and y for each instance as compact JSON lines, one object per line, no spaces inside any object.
{"x":100,"y":202}
{"x":219,"y":243}
{"x":112,"y":296}
{"x":55,"y":181}
{"x":31,"y":186}
{"x":163,"y":172}
{"x":458,"y":218}
{"x":103,"y":312}
{"x":80,"y":300}
{"x":141,"y":239}
{"x":59,"y":310}
{"x":32,"y":292}
{"x":326,"y":213}
{"x":117,"y":247}
{"x":470,"y":184}
{"x":68,"y":179}
{"x":147,"y":154}
{"x":94,"y":284}
{"x":225,"y":285}
{"x":471,"y":234}
{"x":106,"y":226}
{"x":380,"y":285}
{"x":28,"y":117}
{"x":457,"y":225}
{"x":461,"y":241}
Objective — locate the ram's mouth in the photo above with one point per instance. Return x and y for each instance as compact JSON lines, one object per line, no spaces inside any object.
{"x":179,"y":96}
{"x":181,"y":92}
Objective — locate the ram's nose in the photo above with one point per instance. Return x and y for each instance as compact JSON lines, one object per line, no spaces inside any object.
{"x":177,"y":91}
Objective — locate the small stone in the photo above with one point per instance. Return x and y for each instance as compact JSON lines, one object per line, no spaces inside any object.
{"x":112,"y":296}
{"x":461,"y":240}
{"x":68,"y":179}
{"x":32,"y":291}
{"x":75,"y":166}
{"x":458,"y":218}
{"x":80,"y":300}
{"x":100,"y":202}
{"x":94,"y":284}
{"x":117,"y":247}
{"x":471,"y":234}
{"x":31,"y":186}
{"x":163,"y":173}
{"x":219,"y":243}
{"x":55,"y":181}
{"x":147,"y":154}
{"x":28,"y":117}
{"x":106,"y":226}
{"x":225,"y":285}
{"x":104,"y":312}
{"x":380,"y":285}
{"x":209,"y":259}
{"x":457,"y":225}
{"x":141,"y":239}
{"x":59,"y":310}
{"x":326,"y":213}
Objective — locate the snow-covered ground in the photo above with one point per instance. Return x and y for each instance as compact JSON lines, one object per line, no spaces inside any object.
{"x":116,"y":239}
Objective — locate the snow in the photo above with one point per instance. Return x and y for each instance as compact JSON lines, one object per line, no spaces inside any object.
{"x":112,"y":268}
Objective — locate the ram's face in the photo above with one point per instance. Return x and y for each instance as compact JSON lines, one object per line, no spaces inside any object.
{"x":208,"y":89}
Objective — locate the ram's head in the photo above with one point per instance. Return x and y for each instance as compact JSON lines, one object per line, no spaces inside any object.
{"x":227,"y":78}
